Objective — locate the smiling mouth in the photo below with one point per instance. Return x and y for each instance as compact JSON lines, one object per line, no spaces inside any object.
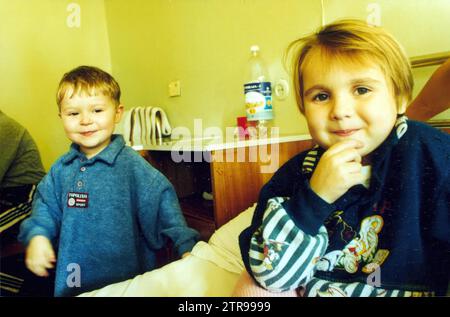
{"x":89,"y":133}
{"x":345,"y":132}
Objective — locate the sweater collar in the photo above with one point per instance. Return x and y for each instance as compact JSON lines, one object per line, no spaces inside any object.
{"x":379,"y":155}
{"x":107,"y":155}
{"x":379,"y":169}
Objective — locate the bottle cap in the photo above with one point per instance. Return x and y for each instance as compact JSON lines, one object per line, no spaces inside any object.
{"x":254,"y":49}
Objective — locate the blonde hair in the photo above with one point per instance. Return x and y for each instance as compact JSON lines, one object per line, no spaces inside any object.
{"x":355,"y":39}
{"x":90,"y":80}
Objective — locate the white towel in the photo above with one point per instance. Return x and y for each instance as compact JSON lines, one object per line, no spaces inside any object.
{"x":156,"y":124}
{"x":145,"y":125}
{"x":126,"y":126}
{"x":148,"y":125}
{"x":160,"y":123}
{"x":137,"y":126}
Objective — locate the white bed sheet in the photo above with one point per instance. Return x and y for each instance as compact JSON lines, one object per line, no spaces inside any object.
{"x":212,"y":269}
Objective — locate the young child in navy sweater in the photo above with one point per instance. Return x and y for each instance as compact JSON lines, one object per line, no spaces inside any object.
{"x":366,"y":212}
{"x":103,"y":207}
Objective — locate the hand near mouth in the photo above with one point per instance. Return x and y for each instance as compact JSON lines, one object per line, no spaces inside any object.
{"x":338,"y":170}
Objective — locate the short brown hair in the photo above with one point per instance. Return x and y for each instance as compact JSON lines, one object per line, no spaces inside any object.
{"x":90,"y":80}
{"x":355,"y":38}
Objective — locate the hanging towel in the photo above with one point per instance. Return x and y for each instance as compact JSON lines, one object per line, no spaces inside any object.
{"x":166,"y":129}
{"x":156,"y":124}
{"x":136,"y":126}
{"x":126,"y":126}
{"x":148,"y":125}
{"x":160,"y":125}
{"x":145,"y":125}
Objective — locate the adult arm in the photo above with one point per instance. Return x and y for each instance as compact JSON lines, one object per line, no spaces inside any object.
{"x":434,"y":96}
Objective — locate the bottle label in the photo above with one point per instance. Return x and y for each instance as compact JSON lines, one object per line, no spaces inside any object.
{"x":258,"y":101}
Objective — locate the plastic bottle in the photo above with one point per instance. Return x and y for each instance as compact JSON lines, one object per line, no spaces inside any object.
{"x":258,"y":92}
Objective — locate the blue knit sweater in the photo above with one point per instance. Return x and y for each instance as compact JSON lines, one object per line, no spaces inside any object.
{"x":107,"y":216}
{"x":400,"y":224}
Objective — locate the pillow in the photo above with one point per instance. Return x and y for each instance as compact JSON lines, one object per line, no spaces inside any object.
{"x":224,"y":243}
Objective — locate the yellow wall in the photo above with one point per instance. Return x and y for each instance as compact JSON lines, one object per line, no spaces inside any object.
{"x":203,"y":43}
{"x":421,"y":26}
{"x":36,"y":48}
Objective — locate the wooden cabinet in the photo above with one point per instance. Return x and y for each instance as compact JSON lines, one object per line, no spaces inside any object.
{"x":233,"y":172}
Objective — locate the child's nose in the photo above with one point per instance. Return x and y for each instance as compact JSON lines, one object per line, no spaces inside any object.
{"x":86,"y":119}
{"x":343,"y":107}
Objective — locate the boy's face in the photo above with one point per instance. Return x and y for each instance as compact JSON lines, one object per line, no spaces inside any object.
{"x":89,"y":121}
{"x":347,"y":100}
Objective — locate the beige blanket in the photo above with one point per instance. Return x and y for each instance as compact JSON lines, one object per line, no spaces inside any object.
{"x":212,"y":269}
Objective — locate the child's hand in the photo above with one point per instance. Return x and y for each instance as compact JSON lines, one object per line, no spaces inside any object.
{"x":338,"y":170}
{"x":40,"y":256}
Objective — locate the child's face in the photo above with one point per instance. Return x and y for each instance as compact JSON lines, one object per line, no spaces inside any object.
{"x":346,"y":100}
{"x":89,"y":121}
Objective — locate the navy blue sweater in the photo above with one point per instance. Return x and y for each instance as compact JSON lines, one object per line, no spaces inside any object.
{"x":107,"y":215}
{"x":404,"y":212}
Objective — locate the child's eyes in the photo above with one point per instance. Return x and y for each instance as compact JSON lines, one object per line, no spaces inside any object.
{"x":320,"y":97}
{"x":362,"y":90}
{"x":73,"y":113}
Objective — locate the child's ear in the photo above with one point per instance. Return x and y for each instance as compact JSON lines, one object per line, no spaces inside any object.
{"x":119,"y":113}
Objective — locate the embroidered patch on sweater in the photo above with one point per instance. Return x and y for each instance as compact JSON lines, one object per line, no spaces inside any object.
{"x":77,"y":200}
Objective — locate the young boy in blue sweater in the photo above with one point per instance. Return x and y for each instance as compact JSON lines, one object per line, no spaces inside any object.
{"x":366,"y":212}
{"x":103,"y":207}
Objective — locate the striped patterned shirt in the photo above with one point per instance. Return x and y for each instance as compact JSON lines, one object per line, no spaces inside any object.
{"x":282,"y":257}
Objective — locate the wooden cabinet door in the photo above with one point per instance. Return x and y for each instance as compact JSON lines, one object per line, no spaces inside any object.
{"x":237,"y":180}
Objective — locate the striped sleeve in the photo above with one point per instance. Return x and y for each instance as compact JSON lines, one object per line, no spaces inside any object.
{"x":322,"y":288}
{"x":15,"y":214}
{"x":283,"y":257}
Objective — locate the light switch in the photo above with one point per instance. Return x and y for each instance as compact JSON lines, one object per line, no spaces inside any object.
{"x":174,"y":88}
